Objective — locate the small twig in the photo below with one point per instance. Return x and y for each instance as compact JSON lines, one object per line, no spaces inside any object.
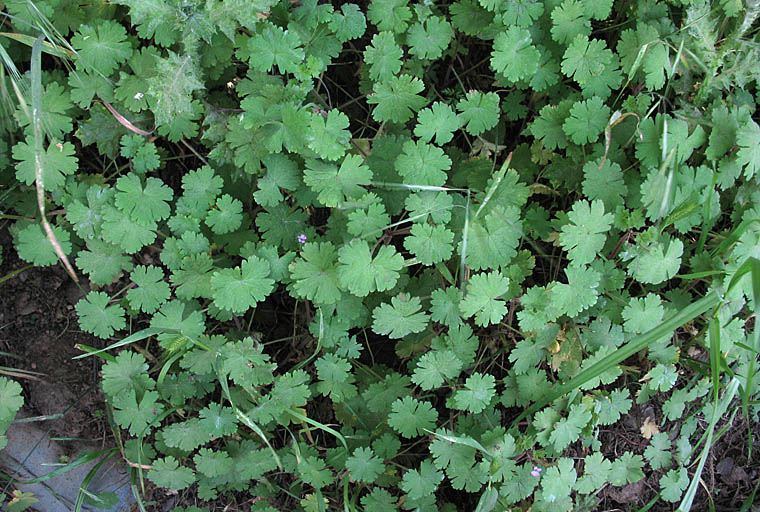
{"x":21,"y":374}
{"x":622,"y":240}
{"x":135,"y":465}
{"x":359,"y":148}
{"x":448,"y":70}
{"x":123,"y":120}
{"x":192,"y":149}
{"x":351,"y":101}
{"x":144,"y":352}
{"x":329,"y":99}
{"x":49,"y":232}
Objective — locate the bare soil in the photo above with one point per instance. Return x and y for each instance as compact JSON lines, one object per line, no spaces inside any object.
{"x":38,"y":325}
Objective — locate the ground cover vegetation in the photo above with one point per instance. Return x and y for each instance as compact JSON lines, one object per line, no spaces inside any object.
{"x":400,"y":255}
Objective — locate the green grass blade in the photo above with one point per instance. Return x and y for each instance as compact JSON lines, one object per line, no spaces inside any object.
{"x":706,"y":217}
{"x":651,"y":503}
{"x":495,"y":185}
{"x":7,"y":104}
{"x":753,"y":267}
{"x":319,"y":425}
{"x":165,"y":369}
{"x":719,"y":410}
{"x":750,"y":265}
{"x":748,"y":348}
{"x":14,"y":273}
{"x":82,"y":459}
{"x":88,"y":479}
{"x":136,"y":492}
{"x":42,"y":25}
{"x":36,"y":117}
{"x":668,"y":195}
{"x":465,"y":441}
{"x":92,"y":350}
{"x":676,"y":60}
{"x":700,"y":275}
{"x":681,"y":211}
{"x":7,"y":62}
{"x":733,"y":237}
{"x":138,"y":336}
{"x":637,"y":62}
{"x":714,"y":333}
{"x":406,"y":186}
{"x":463,"y":255}
{"x":750,"y":499}
{"x":47,"y":46}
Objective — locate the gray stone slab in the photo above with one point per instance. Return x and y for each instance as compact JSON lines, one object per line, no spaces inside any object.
{"x":30,"y":453}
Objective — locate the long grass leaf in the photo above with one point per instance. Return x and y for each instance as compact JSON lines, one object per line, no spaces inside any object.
{"x":706,"y":216}
{"x":319,"y":425}
{"x":47,"y":46}
{"x":463,"y":254}
{"x":41,"y":24}
{"x":700,"y":275}
{"x":651,"y":503}
{"x":733,"y":237}
{"x":88,"y":479}
{"x":750,"y":499}
{"x":753,"y":266}
{"x":495,"y":185}
{"x":82,"y":459}
{"x":166,"y":367}
{"x":6,"y":101}
{"x":719,"y":409}
{"x":405,"y":186}
{"x":668,"y":194}
{"x":138,"y":336}
{"x":465,"y":441}
{"x":8,"y":63}
{"x":136,"y":493}
{"x":637,"y":61}
{"x":86,"y":348}
{"x":714,"y":334}
{"x":14,"y":273}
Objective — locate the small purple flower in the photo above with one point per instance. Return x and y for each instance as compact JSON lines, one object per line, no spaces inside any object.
{"x":536,"y":471}
{"x":301,"y":238}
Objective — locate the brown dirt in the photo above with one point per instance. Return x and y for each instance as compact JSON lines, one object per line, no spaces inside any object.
{"x":38,"y":324}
